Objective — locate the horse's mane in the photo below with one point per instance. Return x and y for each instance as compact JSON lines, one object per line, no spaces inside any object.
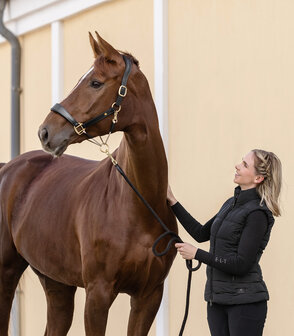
{"x":133,"y":59}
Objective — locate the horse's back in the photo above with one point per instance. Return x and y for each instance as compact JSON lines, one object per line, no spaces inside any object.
{"x":30,"y":165}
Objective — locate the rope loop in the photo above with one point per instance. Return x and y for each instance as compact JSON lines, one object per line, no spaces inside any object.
{"x":189,"y":264}
{"x":174,"y":237}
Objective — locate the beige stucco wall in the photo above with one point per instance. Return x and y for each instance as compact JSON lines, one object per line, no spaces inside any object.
{"x":35,"y":100}
{"x":5,"y":71}
{"x":36,"y":83}
{"x":231,"y":76}
{"x":230,"y":90}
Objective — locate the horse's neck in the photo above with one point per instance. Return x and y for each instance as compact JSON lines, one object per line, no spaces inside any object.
{"x":143,"y":158}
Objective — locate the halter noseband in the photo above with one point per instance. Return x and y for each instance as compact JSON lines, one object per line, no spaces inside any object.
{"x":80,"y":127}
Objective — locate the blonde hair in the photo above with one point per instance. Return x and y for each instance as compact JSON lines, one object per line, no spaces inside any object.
{"x":269,"y":166}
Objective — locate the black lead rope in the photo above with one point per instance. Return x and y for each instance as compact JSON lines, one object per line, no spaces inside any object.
{"x":174,"y":238}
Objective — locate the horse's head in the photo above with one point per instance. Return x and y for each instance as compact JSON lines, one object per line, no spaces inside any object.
{"x":92,"y":106}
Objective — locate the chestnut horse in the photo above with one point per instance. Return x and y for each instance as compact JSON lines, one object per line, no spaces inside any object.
{"x":76,"y":222}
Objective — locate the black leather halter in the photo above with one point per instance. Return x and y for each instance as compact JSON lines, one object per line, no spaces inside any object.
{"x":80,"y":127}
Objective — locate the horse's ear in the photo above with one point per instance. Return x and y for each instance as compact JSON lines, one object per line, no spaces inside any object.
{"x":95,"y":46}
{"x":107,"y":50}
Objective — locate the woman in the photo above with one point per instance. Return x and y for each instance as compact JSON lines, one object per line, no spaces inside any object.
{"x":235,"y":291}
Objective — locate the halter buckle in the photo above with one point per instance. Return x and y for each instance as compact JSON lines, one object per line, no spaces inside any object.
{"x":80,"y":129}
{"x":122,"y":91}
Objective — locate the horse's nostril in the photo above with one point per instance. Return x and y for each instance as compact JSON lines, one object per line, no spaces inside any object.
{"x":43,"y":135}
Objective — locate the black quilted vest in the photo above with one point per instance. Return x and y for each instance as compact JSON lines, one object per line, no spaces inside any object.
{"x":226,"y":230}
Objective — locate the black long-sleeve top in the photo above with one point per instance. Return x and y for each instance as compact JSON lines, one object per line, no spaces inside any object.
{"x":249,"y":245}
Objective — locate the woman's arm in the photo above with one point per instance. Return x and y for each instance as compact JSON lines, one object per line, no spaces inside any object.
{"x":200,"y":233}
{"x":249,"y":245}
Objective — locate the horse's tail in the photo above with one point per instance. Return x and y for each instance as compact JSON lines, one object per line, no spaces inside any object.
{"x":1,"y":164}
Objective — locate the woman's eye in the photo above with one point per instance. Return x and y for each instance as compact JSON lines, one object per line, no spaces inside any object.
{"x":95,"y":84}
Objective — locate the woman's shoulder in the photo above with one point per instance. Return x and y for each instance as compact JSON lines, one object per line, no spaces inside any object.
{"x":260,"y":214}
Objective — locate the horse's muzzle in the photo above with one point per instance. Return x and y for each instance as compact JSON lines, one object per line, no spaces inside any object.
{"x":52,"y":145}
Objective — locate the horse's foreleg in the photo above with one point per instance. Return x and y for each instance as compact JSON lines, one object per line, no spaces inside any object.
{"x":99,"y":297}
{"x":60,"y":306}
{"x":12,"y":265}
{"x":143,"y":312}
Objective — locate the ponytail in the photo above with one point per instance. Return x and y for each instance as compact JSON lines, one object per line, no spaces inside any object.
{"x":269,"y":166}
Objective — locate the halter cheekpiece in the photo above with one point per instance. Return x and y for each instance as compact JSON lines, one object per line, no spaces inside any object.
{"x":80,"y":127}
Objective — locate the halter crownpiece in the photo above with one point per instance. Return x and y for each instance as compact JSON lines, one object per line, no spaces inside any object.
{"x":80,"y":127}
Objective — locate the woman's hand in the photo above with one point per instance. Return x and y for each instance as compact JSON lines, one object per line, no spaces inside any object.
{"x":186,"y":250}
{"x":170,"y":196}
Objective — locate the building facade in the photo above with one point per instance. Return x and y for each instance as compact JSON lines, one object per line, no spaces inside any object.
{"x":221,"y":73}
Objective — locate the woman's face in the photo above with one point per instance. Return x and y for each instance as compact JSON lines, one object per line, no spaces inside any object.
{"x":245,"y":174}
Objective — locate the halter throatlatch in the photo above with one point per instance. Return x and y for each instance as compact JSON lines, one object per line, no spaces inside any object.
{"x":80,"y":127}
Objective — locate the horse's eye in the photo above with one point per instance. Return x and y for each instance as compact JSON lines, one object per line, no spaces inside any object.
{"x":95,"y":84}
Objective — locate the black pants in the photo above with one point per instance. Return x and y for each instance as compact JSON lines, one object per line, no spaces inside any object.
{"x":237,"y":320}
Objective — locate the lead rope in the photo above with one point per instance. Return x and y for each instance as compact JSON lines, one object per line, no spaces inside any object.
{"x":104,"y":148}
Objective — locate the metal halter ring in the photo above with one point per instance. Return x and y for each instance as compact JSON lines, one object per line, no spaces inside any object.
{"x":104,"y":148}
{"x":115,"y":105}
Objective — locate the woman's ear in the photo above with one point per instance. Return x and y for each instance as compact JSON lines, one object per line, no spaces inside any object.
{"x":259,"y":179}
